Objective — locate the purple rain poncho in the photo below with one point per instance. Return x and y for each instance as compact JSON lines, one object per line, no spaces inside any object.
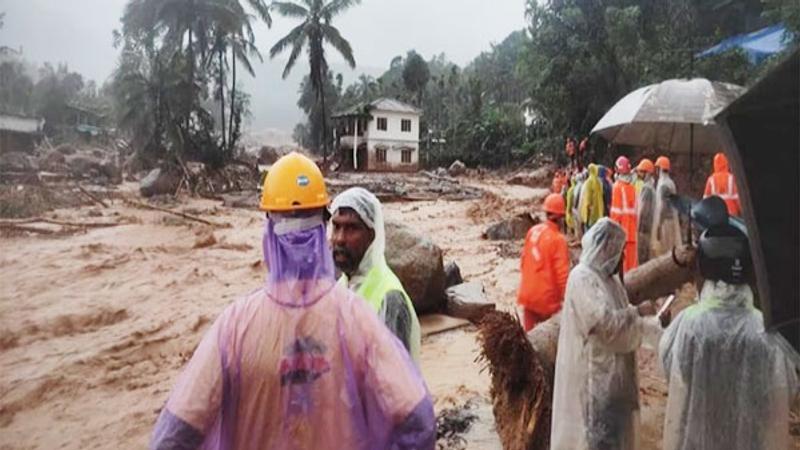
{"x":299,"y":364}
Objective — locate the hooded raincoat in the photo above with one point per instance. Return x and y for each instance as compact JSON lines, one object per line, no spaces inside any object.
{"x":596,"y":396}
{"x":374,"y":280}
{"x":730,"y":384}
{"x":722,"y":183}
{"x":591,"y":203}
{"x":300,"y":363}
{"x":666,"y":221}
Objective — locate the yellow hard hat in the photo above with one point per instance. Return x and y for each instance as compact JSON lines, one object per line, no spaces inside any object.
{"x":293,"y":183}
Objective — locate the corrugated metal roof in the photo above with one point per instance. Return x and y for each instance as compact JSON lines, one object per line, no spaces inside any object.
{"x":21,"y":124}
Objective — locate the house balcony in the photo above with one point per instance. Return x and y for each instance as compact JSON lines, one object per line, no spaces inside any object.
{"x":347,"y":141}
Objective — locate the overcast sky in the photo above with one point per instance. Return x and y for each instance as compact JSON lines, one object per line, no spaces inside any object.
{"x":79,"y":32}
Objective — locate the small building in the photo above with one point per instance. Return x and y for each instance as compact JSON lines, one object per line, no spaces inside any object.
{"x":382,"y":135}
{"x":19,"y":133}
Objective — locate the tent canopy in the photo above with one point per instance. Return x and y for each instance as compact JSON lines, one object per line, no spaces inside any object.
{"x":761,"y":137}
{"x":757,"y":46}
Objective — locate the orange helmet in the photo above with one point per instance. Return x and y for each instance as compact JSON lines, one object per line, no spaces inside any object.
{"x":623,"y":165}
{"x":293,"y":183}
{"x":554,"y":204}
{"x":662,"y":163}
{"x":645,"y":165}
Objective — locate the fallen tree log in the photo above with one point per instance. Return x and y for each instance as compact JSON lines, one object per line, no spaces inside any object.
{"x":174,"y":213}
{"x":522,"y":366}
{"x":468,"y":301}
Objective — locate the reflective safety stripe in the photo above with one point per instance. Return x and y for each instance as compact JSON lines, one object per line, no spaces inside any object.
{"x":535,"y":236}
{"x":729,"y":195}
{"x":625,"y":210}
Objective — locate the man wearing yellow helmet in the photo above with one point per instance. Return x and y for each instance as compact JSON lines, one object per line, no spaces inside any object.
{"x":301,"y":362}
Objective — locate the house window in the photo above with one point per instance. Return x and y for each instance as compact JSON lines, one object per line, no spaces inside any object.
{"x":380,"y":155}
{"x":382,"y":123}
{"x":405,"y":125}
{"x":405,"y":156}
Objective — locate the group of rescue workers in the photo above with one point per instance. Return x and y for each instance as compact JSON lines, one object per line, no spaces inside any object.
{"x":309,"y":361}
{"x":730,"y":384}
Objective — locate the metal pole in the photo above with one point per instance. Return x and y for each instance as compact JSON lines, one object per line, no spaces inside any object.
{"x":691,"y":179}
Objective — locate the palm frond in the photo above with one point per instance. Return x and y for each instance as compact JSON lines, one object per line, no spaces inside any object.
{"x":336,"y":7}
{"x":333,"y":37}
{"x":262,"y":9}
{"x":289,"y":9}
{"x":297,"y":34}
{"x":293,"y":57}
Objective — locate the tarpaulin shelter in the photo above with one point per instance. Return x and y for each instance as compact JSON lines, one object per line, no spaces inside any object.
{"x":761,"y":137}
{"x":757,"y":45}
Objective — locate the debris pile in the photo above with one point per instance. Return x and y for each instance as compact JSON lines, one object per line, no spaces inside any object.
{"x":452,"y":424}
{"x":391,"y":187}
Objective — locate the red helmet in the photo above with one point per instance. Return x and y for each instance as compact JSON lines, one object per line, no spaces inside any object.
{"x":623,"y":165}
{"x":554,"y":204}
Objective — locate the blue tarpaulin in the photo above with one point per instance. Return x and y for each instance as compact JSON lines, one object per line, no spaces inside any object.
{"x":757,"y":45}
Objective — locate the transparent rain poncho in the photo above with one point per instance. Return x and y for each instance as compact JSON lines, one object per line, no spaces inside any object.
{"x":300,"y":363}
{"x":666,"y":220}
{"x":374,"y":278}
{"x":646,"y":210}
{"x":730,"y":384}
{"x":596,"y":396}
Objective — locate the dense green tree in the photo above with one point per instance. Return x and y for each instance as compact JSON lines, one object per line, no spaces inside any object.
{"x":416,"y":74}
{"x":314,"y":31}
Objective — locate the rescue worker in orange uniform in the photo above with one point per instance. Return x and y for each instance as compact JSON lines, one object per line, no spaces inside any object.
{"x":624,"y":211}
{"x":544,"y":265}
{"x":723,"y":184}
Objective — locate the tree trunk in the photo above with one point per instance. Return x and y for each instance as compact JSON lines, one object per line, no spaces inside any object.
{"x":231,"y":142}
{"x":222,"y":94}
{"x":522,"y":366}
{"x":324,"y":140}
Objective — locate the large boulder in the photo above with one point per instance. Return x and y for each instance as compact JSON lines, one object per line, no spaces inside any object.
{"x":159,"y":182}
{"x":457,"y":168}
{"x":511,"y":229}
{"x":541,"y":177}
{"x":17,"y":162}
{"x":417,"y":261}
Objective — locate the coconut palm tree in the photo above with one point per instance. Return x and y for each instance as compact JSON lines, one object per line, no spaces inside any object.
{"x":315,"y":31}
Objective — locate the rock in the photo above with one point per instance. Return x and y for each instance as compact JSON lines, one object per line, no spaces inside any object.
{"x":53,"y":161}
{"x":457,"y":168}
{"x":440,"y":172}
{"x":268,"y":155}
{"x":468,"y":301}
{"x":17,"y":162}
{"x":417,"y":261}
{"x":452,"y":275}
{"x":541,"y":177}
{"x":515,"y":228}
{"x":66,"y":149}
{"x":243,"y":199}
{"x":159,"y":182}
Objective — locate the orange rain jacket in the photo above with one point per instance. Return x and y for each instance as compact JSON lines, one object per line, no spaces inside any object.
{"x":545,"y":267}
{"x":723,"y":184}
{"x":623,"y":211}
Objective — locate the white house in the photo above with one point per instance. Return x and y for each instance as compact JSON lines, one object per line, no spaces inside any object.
{"x":382,"y":135}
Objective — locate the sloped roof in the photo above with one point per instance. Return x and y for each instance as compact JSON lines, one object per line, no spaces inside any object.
{"x":390,"y":104}
{"x":381,"y":104}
